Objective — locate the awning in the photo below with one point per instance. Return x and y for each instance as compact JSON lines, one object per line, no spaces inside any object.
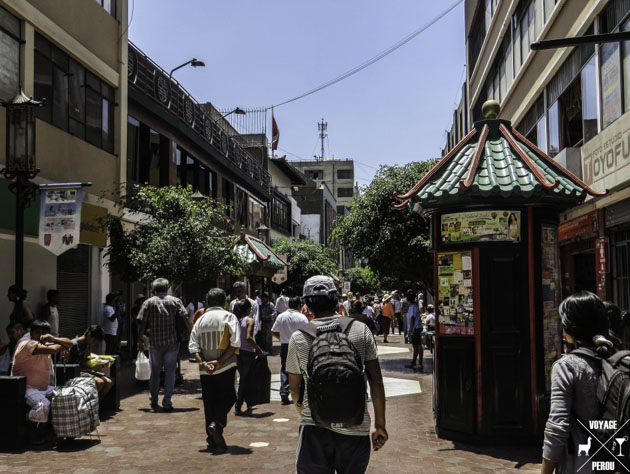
{"x":261,"y":258}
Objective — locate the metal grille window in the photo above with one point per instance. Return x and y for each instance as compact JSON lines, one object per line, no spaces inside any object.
{"x":345,"y":174}
{"x":78,"y":102}
{"x":9,"y":55}
{"x":621,"y":269}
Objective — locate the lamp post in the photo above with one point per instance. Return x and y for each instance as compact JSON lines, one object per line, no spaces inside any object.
{"x":21,"y":166}
{"x":194,"y":62}
{"x":237,"y":111}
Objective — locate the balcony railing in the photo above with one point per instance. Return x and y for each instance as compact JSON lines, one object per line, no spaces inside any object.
{"x":154,"y":82}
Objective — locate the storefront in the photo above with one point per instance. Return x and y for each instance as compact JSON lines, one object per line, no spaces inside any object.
{"x":493,"y":203}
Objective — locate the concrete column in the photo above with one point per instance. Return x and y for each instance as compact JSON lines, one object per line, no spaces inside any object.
{"x":27,"y":59}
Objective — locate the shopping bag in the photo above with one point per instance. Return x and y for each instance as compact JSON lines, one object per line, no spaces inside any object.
{"x":143,"y":368}
{"x":259,"y":391}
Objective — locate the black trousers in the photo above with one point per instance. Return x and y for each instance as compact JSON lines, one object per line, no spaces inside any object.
{"x":218,"y":396}
{"x":245,"y":364}
{"x":322,"y":451}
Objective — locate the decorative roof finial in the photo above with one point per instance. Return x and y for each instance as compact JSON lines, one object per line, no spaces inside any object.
{"x":490,"y":109}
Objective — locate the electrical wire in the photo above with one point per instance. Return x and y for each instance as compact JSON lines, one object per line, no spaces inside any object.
{"x":133,"y":7}
{"x":373,"y":60}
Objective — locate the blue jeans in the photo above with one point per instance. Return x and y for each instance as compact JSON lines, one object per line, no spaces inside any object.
{"x":166,"y":356}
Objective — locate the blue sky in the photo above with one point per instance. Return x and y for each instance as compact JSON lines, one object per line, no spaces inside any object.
{"x":260,"y":53}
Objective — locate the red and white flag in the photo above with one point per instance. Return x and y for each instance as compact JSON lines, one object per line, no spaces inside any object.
{"x":275,"y":133}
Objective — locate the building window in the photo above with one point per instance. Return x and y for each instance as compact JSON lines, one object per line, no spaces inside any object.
{"x":610,"y":81}
{"x":589,"y":100}
{"x":227,"y":195}
{"x":9,"y":55}
{"x":345,"y":192}
{"x":281,"y":215}
{"x":554,"y":130}
{"x":314,"y":174}
{"x":78,"y":102}
{"x":109,"y":6}
{"x":621,"y":268}
{"x":345,"y":174}
{"x":626,"y":68}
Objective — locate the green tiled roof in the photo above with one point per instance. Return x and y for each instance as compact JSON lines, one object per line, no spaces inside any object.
{"x":251,"y":249}
{"x":508,"y":168}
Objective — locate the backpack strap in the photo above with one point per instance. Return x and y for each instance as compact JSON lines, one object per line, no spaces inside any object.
{"x":345,"y":323}
{"x":585,"y":351}
{"x":310,"y":330}
{"x":617,"y":357}
{"x":313,"y":331}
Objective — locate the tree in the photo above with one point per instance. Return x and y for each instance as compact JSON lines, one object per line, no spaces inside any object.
{"x":176,"y":237}
{"x":307,"y":258}
{"x":394,"y":242}
{"x":363,"y":280}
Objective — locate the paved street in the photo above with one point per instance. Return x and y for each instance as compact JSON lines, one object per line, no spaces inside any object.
{"x":136,"y":440}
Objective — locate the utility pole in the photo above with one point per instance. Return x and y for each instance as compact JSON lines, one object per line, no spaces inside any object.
{"x":322,"y":127}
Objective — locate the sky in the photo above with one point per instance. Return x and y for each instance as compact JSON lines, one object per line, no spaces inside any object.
{"x":260,"y":53}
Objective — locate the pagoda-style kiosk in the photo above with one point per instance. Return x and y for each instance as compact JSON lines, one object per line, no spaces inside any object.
{"x":493,"y":202}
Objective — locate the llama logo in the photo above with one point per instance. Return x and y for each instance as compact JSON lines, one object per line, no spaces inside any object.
{"x":585,"y":448}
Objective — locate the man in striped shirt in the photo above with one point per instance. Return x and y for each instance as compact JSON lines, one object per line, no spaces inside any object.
{"x":344,"y":448}
{"x":214,"y":339}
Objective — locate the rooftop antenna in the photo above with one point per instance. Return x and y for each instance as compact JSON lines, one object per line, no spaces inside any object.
{"x":322,"y":127}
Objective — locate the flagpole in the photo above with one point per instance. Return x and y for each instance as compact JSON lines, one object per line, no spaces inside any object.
{"x":273,"y":152}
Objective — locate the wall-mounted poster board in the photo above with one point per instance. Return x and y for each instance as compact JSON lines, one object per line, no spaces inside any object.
{"x":552,"y":334}
{"x":455,"y":293}
{"x":481,"y":226}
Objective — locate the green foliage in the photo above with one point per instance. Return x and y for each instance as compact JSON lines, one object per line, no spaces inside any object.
{"x":363,"y":280}
{"x":176,"y":237}
{"x":394,"y":242}
{"x":307,"y":258}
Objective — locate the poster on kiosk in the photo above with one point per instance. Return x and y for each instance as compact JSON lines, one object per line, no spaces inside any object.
{"x":60,"y":219}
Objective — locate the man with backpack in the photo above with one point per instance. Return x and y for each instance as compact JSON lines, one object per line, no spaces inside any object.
{"x":328,"y":359}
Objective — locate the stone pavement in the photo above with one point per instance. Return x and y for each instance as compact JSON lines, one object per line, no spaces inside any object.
{"x":136,"y":440}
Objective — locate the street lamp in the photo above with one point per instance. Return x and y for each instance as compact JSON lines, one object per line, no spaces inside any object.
{"x":21,"y":165}
{"x":262,"y":230}
{"x":197,"y":196}
{"x":237,"y":111}
{"x":194,"y":62}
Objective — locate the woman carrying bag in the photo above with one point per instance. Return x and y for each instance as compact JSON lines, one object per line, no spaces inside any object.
{"x":246,"y":358}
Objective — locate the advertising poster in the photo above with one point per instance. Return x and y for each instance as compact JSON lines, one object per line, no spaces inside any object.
{"x":60,"y":219}
{"x":455,"y":293}
{"x":481,"y":226}
{"x":552,"y":334}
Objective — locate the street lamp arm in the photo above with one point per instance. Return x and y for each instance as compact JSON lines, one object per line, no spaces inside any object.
{"x":194,"y":62}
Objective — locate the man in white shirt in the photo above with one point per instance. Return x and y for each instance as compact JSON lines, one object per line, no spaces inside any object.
{"x":286,"y":324}
{"x":239,"y":291}
{"x":282,"y":302}
{"x":50,"y":311}
{"x":110,"y":324}
{"x":214,"y":339}
{"x":398,"y":312}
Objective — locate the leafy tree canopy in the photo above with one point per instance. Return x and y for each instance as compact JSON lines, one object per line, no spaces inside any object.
{"x":394,"y":242}
{"x":176,"y":237}
{"x":363,"y":280}
{"x":307,"y":258}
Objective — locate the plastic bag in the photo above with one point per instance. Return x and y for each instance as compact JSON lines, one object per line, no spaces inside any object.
{"x":143,"y":368}
{"x":99,"y":362}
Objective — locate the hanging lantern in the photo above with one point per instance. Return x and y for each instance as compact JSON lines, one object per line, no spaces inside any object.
{"x":21,"y":115}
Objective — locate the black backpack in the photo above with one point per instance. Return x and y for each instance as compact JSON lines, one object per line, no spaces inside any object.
{"x":335,"y":375}
{"x":613,"y":393}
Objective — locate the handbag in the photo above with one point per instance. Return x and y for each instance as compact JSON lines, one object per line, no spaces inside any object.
{"x":259,"y":391}
{"x":143,"y":367}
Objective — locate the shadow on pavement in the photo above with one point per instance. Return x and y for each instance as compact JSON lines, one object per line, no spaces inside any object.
{"x":235,"y":450}
{"x":265,"y":414}
{"x":520,"y":455}
{"x":398,"y":365}
{"x":75,"y":445}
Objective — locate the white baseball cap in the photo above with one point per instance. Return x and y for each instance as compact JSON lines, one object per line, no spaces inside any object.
{"x":319,"y":285}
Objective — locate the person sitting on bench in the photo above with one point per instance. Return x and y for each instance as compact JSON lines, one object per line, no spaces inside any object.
{"x":32,"y":360}
{"x":80,"y":352}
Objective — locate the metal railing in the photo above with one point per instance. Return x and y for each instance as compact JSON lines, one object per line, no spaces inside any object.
{"x":154,"y":82}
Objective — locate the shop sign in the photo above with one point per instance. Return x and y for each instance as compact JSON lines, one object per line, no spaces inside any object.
{"x":602,"y":255}
{"x":481,"y":226}
{"x":93,"y":225}
{"x":606,"y":154}
{"x":583,"y":225}
{"x":60,"y":219}
{"x":281,"y":275}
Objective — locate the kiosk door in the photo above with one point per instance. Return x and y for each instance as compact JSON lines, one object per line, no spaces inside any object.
{"x":505,"y":358}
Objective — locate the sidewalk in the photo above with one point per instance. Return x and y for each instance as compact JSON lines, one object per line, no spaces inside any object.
{"x":136,"y":440}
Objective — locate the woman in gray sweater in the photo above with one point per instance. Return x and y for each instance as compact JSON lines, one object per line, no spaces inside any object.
{"x":574,"y":381}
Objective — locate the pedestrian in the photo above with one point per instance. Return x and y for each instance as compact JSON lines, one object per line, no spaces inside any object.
{"x":79,"y":352}
{"x":414,"y":331}
{"x":356,"y":312}
{"x":159,"y":312}
{"x":397,"y":313}
{"x":214,"y":341}
{"x":110,"y":323}
{"x":306,"y":312}
{"x":574,"y":381}
{"x":286,"y":324}
{"x":387,"y":314}
{"x":326,"y":447}
{"x":246,"y":357}
{"x":239,"y":290}
{"x":50,"y":311}
{"x":267,"y":317}
{"x":348,"y":301}
{"x":404,"y":308}
{"x":135,"y":310}
{"x":368,"y":310}
{"x":282,"y":303}
{"x":26,"y":317}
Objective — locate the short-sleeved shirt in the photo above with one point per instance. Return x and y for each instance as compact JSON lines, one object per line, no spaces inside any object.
{"x":35,"y":367}
{"x":253,"y":313}
{"x":397,"y":305}
{"x":297,"y":361}
{"x":282,"y":304}
{"x":387,"y":310}
{"x":414,"y":313}
{"x":369,"y":312}
{"x":212,"y":334}
{"x":109,"y":327}
{"x":160,"y":312}
{"x":287,"y":323}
